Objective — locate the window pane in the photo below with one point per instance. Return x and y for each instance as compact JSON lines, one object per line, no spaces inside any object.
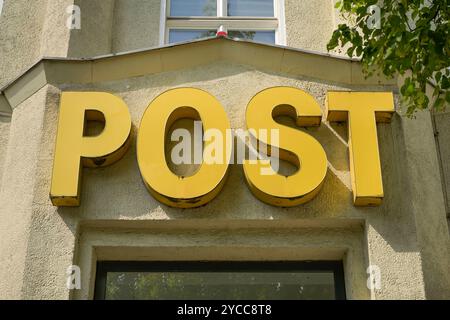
{"x":179,"y":35}
{"x":220,"y":285}
{"x":260,"y":36}
{"x":220,"y":280}
{"x":179,"y":8}
{"x":251,"y":8}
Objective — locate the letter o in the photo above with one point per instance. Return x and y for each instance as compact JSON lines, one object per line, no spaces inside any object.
{"x":163,"y":184}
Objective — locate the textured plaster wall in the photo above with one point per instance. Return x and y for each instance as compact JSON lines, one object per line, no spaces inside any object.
{"x":407,"y":237}
{"x":428,"y":205}
{"x":56,"y":35}
{"x":94,"y":37}
{"x":442,"y":121}
{"x":4,"y":137}
{"x":38,"y":28}
{"x":233,"y":86}
{"x":21,"y":26}
{"x":17,"y":192}
{"x":136,"y":24}
{"x":309,"y":24}
{"x":30,"y":30}
{"x":391,"y":230}
{"x":46,"y":240}
{"x":52,"y":232}
{"x":37,"y":242}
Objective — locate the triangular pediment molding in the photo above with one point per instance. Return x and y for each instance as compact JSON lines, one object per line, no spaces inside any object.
{"x":273,"y":58}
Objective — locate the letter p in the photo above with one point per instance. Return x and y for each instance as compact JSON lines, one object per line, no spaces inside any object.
{"x":75,"y":150}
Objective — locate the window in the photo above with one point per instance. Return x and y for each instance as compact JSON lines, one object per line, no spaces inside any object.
{"x":219,"y":280}
{"x":257,"y":20}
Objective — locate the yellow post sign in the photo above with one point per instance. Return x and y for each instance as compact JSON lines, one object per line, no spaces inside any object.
{"x":362,"y":110}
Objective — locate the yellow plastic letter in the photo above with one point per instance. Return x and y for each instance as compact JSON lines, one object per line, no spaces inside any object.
{"x":295,"y":146}
{"x":73,"y":150}
{"x":163,"y":184}
{"x":362,"y":110}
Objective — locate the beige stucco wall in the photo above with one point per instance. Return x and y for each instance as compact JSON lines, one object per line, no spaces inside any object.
{"x":21,"y":25}
{"x":95,"y":35}
{"x":407,"y":237}
{"x":30,"y":30}
{"x":55,"y":34}
{"x":17,"y":192}
{"x":309,"y":24}
{"x":428,"y":204}
{"x":136,"y":25}
{"x":117,"y":222}
{"x":38,"y":28}
{"x":442,"y":123}
{"x":4,"y":137}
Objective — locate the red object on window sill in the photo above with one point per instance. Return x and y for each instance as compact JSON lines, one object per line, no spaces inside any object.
{"x":222,"y":32}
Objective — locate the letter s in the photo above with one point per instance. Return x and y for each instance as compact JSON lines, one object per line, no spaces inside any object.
{"x":296,"y":147}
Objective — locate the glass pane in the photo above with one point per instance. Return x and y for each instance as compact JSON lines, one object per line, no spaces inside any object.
{"x":179,"y":35}
{"x":260,"y":36}
{"x":180,"y":8}
{"x":251,"y":8}
{"x":220,"y":285}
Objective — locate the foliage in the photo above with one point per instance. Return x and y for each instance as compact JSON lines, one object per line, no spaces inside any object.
{"x":411,"y":40}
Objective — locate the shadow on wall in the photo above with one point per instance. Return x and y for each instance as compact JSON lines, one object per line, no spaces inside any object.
{"x":94,"y":37}
{"x":111,"y":26}
{"x":117,"y":192}
{"x":397,"y":225}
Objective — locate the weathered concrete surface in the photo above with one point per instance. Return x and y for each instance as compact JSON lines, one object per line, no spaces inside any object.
{"x":56,"y":34}
{"x":4,"y":137}
{"x":39,"y":28}
{"x":424,"y":188}
{"x":21,"y":26}
{"x":406,"y":236}
{"x":393,"y":237}
{"x":17,"y":192}
{"x":309,"y":24}
{"x":94,"y":38}
{"x":142,"y":15}
{"x":442,"y":121}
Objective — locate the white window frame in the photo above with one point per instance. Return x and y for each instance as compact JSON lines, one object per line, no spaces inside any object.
{"x":276,"y":23}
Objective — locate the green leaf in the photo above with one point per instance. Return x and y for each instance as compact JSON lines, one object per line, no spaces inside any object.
{"x":438,"y":104}
{"x":420,"y":50}
{"x":409,"y":90}
{"x":445,"y":83}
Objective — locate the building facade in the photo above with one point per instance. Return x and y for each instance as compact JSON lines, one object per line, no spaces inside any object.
{"x":137,"y":50}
